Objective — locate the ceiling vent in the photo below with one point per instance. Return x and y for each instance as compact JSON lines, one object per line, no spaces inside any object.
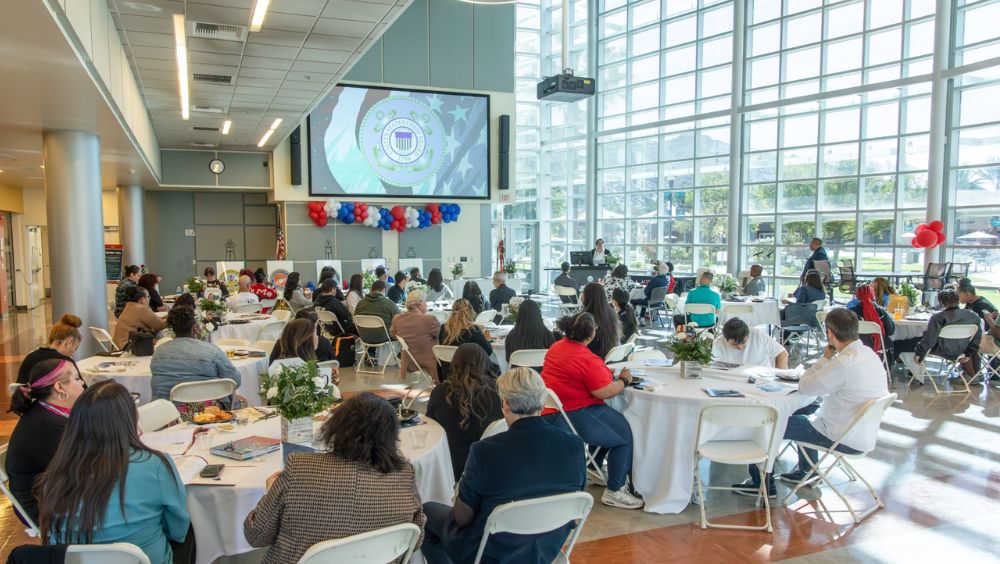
{"x":222,"y":32}
{"x":212,"y":78}
{"x":200,"y":128}
{"x":208,"y":109}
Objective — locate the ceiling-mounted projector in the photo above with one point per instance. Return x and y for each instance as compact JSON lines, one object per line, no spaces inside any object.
{"x":566,"y":88}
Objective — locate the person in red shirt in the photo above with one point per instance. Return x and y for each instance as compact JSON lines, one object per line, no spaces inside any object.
{"x":262,"y":290}
{"x":582,"y":382}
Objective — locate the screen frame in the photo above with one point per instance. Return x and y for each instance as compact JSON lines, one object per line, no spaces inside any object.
{"x":489,"y":148}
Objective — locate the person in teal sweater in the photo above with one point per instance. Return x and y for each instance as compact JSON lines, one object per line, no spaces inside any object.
{"x":703,"y":294}
{"x":126,"y":491}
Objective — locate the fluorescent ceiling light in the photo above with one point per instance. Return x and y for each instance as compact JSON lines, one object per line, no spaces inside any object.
{"x":265,"y":137}
{"x":259,"y":12}
{"x":226,"y":125}
{"x":275,"y":123}
{"x":180,"y":41}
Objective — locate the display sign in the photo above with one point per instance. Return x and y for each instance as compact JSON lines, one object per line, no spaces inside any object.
{"x":229,"y":271}
{"x":113,"y":256}
{"x":278,"y":271}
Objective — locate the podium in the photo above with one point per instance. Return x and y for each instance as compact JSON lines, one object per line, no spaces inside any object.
{"x":583,"y":275}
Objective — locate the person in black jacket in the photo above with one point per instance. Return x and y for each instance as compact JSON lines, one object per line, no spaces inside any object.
{"x":626,"y":315}
{"x":397,"y":292}
{"x":818,"y":253}
{"x":529,"y":330}
{"x":501,"y":294}
{"x":931,"y":342}
{"x":326,"y":298}
{"x":474,"y":295}
{"x":43,"y":405}
{"x":329,"y":273}
{"x":324,"y":349}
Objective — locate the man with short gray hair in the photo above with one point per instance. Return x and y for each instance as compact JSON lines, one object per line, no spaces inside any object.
{"x":243,"y":297}
{"x":501,"y":294}
{"x":531,"y":459}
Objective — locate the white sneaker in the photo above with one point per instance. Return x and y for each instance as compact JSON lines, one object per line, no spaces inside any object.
{"x":621,"y":499}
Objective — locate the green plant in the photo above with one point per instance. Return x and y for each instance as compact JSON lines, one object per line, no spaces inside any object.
{"x":457,"y":269}
{"x":510,"y":268}
{"x":612,"y":259}
{"x":694,"y":349}
{"x":911,"y":293}
{"x":368,"y":278}
{"x":298,"y":391}
{"x":194,"y":285}
{"x":726,"y":283}
{"x":208,"y":305}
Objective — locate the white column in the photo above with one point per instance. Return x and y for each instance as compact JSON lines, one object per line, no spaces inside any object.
{"x":132,"y":223}
{"x":736,"y":141}
{"x":76,"y":228}
{"x":936,"y":207}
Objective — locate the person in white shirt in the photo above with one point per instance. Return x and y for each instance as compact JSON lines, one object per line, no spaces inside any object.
{"x":849,"y":375}
{"x":244,"y":297}
{"x":744,"y":346}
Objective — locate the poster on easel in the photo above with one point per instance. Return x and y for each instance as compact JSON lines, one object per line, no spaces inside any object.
{"x":229,"y":270}
{"x":278,"y":271}
{"x":113,"y":255}
{"x":336,"y":264}
{"x":370,"y":264}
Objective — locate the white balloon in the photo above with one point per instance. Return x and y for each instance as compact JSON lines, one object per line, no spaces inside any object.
{"x":332,"y":207}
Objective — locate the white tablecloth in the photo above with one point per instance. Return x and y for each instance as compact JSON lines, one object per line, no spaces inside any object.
{"x":764,"y":313}
{"x":249,"y":331}
{"x":138,"y":378}
{"x":664,"y":424}
{"x":908,"y":329}
{"x":218,"y":512}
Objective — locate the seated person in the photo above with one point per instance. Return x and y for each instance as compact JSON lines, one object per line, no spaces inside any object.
{"x":381,"y":274}
{"x":564,"y":280}
{"x":357,"y":486}
{"x":619,"y":280}
{"x":294,"y":295}
{"x":329,"y":273}
{"x":243,"y":297}
{"x":261,"y":289}
{"x":420,"y":331}
{"x":212,"y":282}
{"x":474,"y":295}
{"x":151,"y":282}
{"x":529,"y":330}
{"x":64,"y":340}
{"x":377,"y":305}
{"x":466,"y":403}
{"x":436,"y":288}
{"x":326,"y":298}
{"x":866,"y":308}
{"x":978,"y":304}
{"x":744,"y":346}
{"x":43,"y":406}
{"x":950,"y":314}
{"x":810,"y":291}
{"x":186,"y":358}
{"x":880,"y":287}
{"x":132,"y":275}
{"x":609,"y":331}
{"x":355,"y":292}
{"x":703,"y":294}
{"x":531,"y":459}
{"x":322,"y":347}
{"x":461,"y":328}
{"x":501,"y":294}
{"x":849,"y":375}
{"x":136,"y":316}
{"x":755,"y":285}
{"x":662,"y":278}
{"x":397,"y":292}
{"x":626,"y":315}
{"x":130,"y":494}
{"x":583,"y":382}
{"x":414,"y":276}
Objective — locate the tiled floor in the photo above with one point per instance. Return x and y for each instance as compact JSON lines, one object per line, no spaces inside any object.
{"x":936,"y":468}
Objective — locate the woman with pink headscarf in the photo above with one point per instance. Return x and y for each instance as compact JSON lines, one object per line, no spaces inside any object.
{"x":866,"y":309}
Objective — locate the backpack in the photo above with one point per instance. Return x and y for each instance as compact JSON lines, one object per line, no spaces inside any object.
{"x":343,"y":350}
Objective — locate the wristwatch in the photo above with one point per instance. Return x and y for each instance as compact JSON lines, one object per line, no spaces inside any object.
{"x":622,"y":378}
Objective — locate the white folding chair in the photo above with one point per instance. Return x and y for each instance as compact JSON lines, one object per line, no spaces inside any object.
{"x":272,"y":331}
{"x":947,"y":366}
{"x":328,"y":318}
{"x":265,"y":345}
{"x":203,"y":390}
{"x":232,"y":343}
{"x":738,"y":452}
{"x":567,"y":292}
{"x":486,"y":316}
{"x":871,"y":328}
{"x":648,"y":354}
{"x":700,"y":309}
{"x":115,"y":553}
{"x":376,"y":547}
{"x":104,"y":339}
{"x":248,"y":308}
{"x":594,"y":470}
{"x":415,"y":391}
{"x":268,"y":305}
{"x":282,"y":314}
{"x":444,"y":353}
{"x":871,"y":413}
{"x":32,"y":528}
{"x":157,"y":414}
{"x":405,"y":349}
{"x":495,"y":428}
{"x":618,"y":353}
{"x":539,"y":515}
{"x":372,"y":323}
{"x":531,"y":358}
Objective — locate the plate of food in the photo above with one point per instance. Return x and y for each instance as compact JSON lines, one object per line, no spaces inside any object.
{"x":212,"y":414}
{"x":407,"y":415}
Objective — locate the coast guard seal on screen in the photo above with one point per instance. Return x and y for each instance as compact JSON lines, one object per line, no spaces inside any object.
{"x":402,"y":141}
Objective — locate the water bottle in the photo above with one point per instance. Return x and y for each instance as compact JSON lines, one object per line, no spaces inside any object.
{"x":179,"y":290}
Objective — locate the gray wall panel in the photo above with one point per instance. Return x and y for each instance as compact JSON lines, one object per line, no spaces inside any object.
{"x":245,"y":169}
{"x":260,"y":242}
{"x":354,"y":243}
{"x":369,"y":67}
{"x":307,"y":242}
{"x":170,"y":253}
{"x":493,"y":44}
{"x":187,"y":168}
{"x":210,"y":241}
{"x":218,"y":208}
{"x":404,"y":47}
{"x":425,"y":243}
{"x":255,"y":199}
{"x":260,"y":215}
{"x":450,"y":26}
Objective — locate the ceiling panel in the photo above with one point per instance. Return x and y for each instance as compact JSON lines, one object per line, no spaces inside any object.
{"x":217,"y":14}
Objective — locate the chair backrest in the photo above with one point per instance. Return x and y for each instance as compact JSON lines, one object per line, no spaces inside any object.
{"x":157,"y":414}
{"x":658,"y":295}
{"x":804,"y":314}
{"x":871,"y":413}
{"x":646,"y":355}
{"x":281,"y":314}
{"x":232,"y":342}
{"x":564,"y":291}
{"x":539,"y":515}
{"x":486,"y":316}
{"x":618,"y":353}
{"x":268,"y":304}
{"x":631,"y":340}
{"x":742,"y":277}
{"x":249,"y":308}
{"x":331,"y":364}
{"x":372,"y":323}
{"x":532,"y":358}
{"x":698,"y":308}
{"x":103,"y":339}
{"x":32,"y":528}
{"x":326,"y":316}
{"x":821,"y":317}
{"x":116,"y":553}
{"x":375,"y":547}
{"x":823,"y":267}
{"x":495,"y":428}
{"x":444,"y":353}
{"x":958,"y":331}
{"x":203,"y":390}
{"x":265,"y":345}
{"x":552,"y":401}
{"x":671,"y":300}
{"x":849,"y":263}
{"x":737,"y":415}
{"x":934,"y":275}
{"x":272,"y":331}
{"x":868,"y":328}
{"x":958,"y":270}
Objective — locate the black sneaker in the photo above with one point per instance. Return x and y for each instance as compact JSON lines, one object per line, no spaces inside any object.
{"x":796,"y":477}
{"x":750,"y":489}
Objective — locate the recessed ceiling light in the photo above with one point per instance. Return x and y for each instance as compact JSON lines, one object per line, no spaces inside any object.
{"x":180,"y":43}
{"x":226,"y":125}
{"x":265,"y":137}
{"x":259,"y":11}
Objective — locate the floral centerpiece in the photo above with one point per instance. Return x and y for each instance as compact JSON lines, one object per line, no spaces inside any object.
{"x":213,"y":310}
{"x":911,"y":293}
{"x":612,"y":258}
{"x":367,"y":279}
{"x":194,"y":286}
{"x":512,"y":308}
{"x":297,"y":393}
{"x":691,"y":353}
{"x":726,"y":284}
{"x":510,"y":268}
{"x":457,"y":270}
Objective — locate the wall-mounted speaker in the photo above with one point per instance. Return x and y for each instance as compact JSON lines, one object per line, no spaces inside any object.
{"x":295,"y":144}
{"x":504,"y":162}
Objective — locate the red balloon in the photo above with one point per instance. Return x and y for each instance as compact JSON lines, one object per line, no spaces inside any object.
{"x":433,"y":208}
{"x":936,"y":225}
{"x":435,"y":218}
{"x":364,"y":207}
{"x":926,"y":238}
{"x":402,"y":227}
{"x":921,"y":227}
{"x":321,"y":213}
{"x":941,"y":238}
{"x":394,"y":225}
{"x":316,"y":205}
{"x":321,"y":222}
{"x":913,"y":243}
{"x":313,"y":215}
{"x":397,"y":212}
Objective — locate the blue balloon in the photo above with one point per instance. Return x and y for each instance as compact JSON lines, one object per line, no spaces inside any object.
{"x":349,"y":219}
{"x":350,"y":207}
{"x":385,"y":227}
{"x":458,"y":210}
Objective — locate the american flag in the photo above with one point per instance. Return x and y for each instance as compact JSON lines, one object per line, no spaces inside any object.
{"x":279,"y":251}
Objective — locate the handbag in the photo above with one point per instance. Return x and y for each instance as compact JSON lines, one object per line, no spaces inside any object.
{"x":140,"y":343}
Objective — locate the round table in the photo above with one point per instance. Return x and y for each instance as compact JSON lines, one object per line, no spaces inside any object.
{"x":909,"y":328}
{"x":218,"y":512}
{"x":664,"y":423}
{"x":764,"y":312}
{"x":133,"y":373}
{"x":247,"y":331}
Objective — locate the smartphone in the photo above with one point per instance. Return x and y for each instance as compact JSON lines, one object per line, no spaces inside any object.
{"x":212,"y":471}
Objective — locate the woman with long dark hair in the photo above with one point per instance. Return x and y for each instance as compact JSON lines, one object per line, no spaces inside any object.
{"x":294,"y":296}
{"x":609,"y":331}
{"x":474,"y":295}
{"x":43,"y":405}
{"x":149,"y":281}
{"x":466,"y":403}
{"x":626,"y":315}
{"x":529,"y":330}
{"x":355,"y":292}
{"x":361,"y":483}
{"x":131,"y":493}
{"x":436,"y":288}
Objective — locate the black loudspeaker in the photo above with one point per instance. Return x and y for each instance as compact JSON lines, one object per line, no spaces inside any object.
{"x":504,"y":163}
{"x":295,"y":142}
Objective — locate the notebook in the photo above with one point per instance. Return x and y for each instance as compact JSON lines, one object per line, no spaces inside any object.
{"x":245,"y":449}
{"x":715,"y":393}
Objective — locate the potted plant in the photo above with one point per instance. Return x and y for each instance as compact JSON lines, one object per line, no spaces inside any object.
{"x":510,"y":269}
{"x":612,"y":258}
{"x":691,"y":353}
{"x":457,"y":270}
{"x":911,"y":293}
{"x":298,"y":392}
{"x":726,"y":284}
{"x":194,"y":286}
{"x":214,"y":310}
